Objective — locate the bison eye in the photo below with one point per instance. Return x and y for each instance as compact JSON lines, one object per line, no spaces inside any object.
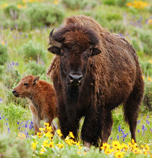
{"x":25,"y":84}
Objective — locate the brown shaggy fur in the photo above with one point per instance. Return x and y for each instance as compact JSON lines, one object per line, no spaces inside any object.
{"x":110,"y":78}
{"x":42,"y":97}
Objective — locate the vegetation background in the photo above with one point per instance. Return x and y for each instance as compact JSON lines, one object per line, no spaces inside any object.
{"x":24,"y":31}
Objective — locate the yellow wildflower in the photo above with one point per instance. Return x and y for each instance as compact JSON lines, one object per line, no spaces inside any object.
{"x":144,"y":152}
{"x":149,"y":79}
{"x":147,"y":148}
{"x":150,"y":61}
{"x":46,"y":124}
{"x":49,"y":129}
{"x":68,"y":141}
{"x":56,"y":2}
{"x":109,"y":151}
{"x":39,"y":134}
{"x":45,"y":143}
{"x":136,"y":151}
{"x":59,"y":133}
{"x":42,"y":151}
{"x":119,"y":154}
{"x":125,"y":147}
{"x":51,"y":145}
{"x":21,"y":135}
{"x":24,"y":1}
{"x":137,"y":4}
{"x":42,"y":129}
{"x":33,"y":145}
{"x":19,"y":6}
{"x":4,"y":5}
{"x":105,"y":146}
{"x":149,"y":23}
{"x":71,"y":135}
{"x":3,"y":43}
{"x":60,"y":145}
{"x":116,"y":145}
{"x":49,"y":135}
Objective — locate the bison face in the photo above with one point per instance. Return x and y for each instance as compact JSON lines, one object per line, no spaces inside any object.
{"x":25,"y":86}
{"x":74,"y":46}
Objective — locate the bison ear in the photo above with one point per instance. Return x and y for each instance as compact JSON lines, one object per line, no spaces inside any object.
{"x":55,"y":50}
{"x":35,"y":80}
{"x":95,"y":51}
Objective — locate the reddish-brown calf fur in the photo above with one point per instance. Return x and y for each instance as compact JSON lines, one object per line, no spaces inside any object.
{"x":42,"y":97}
{"x":111,"y":76}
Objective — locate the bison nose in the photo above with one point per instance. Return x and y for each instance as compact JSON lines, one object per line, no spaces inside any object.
{"x":13,"y":91}
{"x":75,"y":78}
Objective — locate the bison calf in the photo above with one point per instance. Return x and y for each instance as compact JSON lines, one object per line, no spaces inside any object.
{"x":42,"y":97}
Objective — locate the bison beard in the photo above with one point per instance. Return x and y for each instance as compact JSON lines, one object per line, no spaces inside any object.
{"x":93,"y":72}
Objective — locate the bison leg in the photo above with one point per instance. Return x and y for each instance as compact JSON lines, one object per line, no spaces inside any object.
{"x":91,"y":130}
{"x":67,"y":122}
{"x":35,"y":118}
{"x":107,"y":127}
{"x":87,"y":146}
{"x":131,"y":108}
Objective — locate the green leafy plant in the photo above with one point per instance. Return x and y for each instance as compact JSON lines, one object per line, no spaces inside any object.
{"x":44,"y":15}
{"x":3,"y":54}
{"x":109,"y":2}
{"x":147,"y":100}
{"x":12,"y":11}
{"x":35,"y":69}
{"x":146,"y":67}
{"x":79,"y":4}
{"x":12,"y":147}
{"x":31,"y":51}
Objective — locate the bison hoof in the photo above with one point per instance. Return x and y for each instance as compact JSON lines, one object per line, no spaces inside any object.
{"x":87,"y":146}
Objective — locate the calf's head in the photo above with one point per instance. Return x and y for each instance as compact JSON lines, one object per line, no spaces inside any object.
{"x":75,"y":45}
{"x":25,"y":86}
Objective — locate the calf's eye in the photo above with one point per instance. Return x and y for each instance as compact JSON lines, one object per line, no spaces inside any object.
{"x":25,"y":84}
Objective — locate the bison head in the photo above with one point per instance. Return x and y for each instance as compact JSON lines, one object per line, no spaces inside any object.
{"x":25,"y":86}
{"x":75,"y":45}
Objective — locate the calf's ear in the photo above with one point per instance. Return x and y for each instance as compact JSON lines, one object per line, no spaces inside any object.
{"x":35,"y":80}
{"x":55,"y":50}
{"x":95,"y":51}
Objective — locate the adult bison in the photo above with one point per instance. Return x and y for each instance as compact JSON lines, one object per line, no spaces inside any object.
{"x":93,"y":72}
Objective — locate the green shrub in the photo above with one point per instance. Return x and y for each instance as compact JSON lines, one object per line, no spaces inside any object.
{"x":146,"y":67}
{"x":19,"y":24}
{"x":146,"y":40}
{"x":3,"y":54}
{"x":12,"y":147}
{"x":147,"y":100}
{"x":44,"y":15}
{"x":1,"y":71}
{"x":10,"y":80}
{"x":79,"y":4}
{"x":35,"y":69}
{"x":12,"y":11}
{"x":113,"y":16}
{"x":10,"y":98}
{"x":135,"y":44}
{"x":31,"y":51}
{"x":121,"y":3}
{"x":109,"y":2}
{"x":116,"y":27}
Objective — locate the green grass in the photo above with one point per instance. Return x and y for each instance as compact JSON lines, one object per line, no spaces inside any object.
{"x":15,"y":119}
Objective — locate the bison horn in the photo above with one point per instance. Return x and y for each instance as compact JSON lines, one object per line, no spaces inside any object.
{"x":52,"y":41}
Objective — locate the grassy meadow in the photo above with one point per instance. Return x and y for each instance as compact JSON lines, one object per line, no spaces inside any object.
{"x":24,"y":30}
